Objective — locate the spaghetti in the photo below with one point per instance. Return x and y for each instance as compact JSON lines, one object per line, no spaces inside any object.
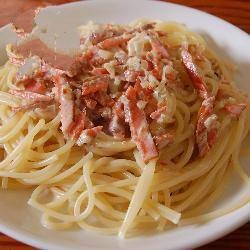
{"x":139,"y":132}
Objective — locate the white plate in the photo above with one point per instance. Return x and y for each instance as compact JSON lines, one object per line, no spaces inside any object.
{"x":22,"y":222}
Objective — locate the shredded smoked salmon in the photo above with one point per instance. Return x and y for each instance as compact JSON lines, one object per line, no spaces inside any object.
{"x":120,"y":85}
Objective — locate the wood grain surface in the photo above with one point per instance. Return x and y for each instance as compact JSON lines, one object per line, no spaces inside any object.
{"x":236,"y":12}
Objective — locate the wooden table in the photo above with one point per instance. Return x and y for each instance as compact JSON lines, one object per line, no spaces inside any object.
{"x":236,"y":12}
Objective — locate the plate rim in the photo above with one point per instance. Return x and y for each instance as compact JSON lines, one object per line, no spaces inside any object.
{"x":33,"y":240}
